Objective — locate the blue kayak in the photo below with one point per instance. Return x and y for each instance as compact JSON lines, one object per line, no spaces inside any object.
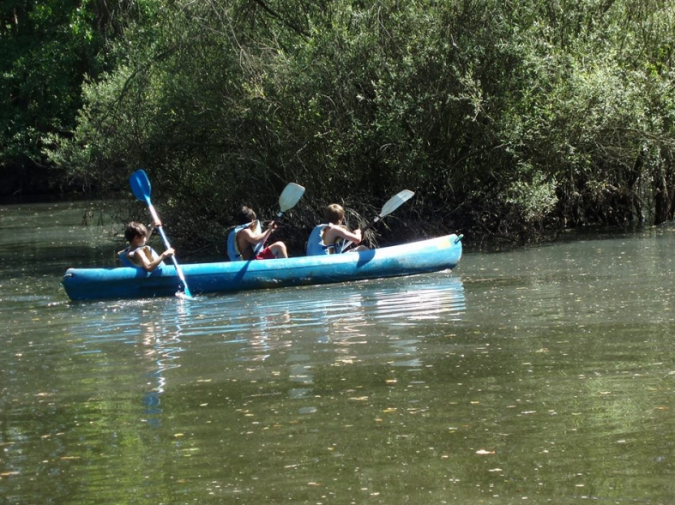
{"x":431,"y":255}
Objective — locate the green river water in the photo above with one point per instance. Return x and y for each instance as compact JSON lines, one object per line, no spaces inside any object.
{"x":542,"y":375}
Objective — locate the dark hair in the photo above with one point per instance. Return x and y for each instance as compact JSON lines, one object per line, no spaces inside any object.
{"x":334,"y":213}
{"x":245,"y":215}
{"x":134,"y":230}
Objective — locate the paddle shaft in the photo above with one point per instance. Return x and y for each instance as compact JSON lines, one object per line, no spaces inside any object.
{"x":179,"y":270}
{"x":141,"y":188}
{"x":349,"y":244}
{"x":281,"y":213}
{"x":371,"y":224}
{"x":392,"y":204}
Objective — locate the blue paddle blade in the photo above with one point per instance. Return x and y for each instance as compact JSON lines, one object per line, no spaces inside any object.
{"x":140,"y":185}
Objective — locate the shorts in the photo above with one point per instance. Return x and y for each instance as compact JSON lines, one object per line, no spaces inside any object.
{"x":265,"y":254}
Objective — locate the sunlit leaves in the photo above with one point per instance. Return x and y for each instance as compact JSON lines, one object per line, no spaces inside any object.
{"x":512,"y":117}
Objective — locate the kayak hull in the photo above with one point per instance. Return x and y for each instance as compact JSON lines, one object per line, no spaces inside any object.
{"x":424,"y":256}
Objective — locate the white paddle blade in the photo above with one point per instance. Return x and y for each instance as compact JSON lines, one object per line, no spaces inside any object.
{"x":290,"y":196}
{"x":396,"y":201}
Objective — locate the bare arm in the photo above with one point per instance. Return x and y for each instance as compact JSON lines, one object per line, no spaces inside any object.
{"x":254,"y":238}
{"x":335,"y":232}
{"x":139,"y":258}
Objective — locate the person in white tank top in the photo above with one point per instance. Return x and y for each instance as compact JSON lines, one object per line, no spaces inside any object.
{"x":139,"y":254}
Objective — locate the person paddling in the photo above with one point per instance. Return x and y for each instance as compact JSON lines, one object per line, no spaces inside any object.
{"x":329,"y":238}
{"x":138,"y":254}
{"x":247,"y":240}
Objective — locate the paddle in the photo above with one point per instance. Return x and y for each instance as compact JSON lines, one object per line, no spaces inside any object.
{"x":392,"y":204}
{"x":140,"y":186}
{"x":288,"y":199}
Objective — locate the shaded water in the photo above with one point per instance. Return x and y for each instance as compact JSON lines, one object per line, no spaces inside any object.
{"x":544,"y":374}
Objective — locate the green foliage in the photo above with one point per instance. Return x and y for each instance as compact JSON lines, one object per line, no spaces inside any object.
{"x":47,"y":50}
{"x":594,"y":118}
{"x":44,"y":47}
{"x":507,"y":118}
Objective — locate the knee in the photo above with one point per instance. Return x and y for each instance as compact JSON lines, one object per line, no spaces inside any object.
{"x":280,"y":249}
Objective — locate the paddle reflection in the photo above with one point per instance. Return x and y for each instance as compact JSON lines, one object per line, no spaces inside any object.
{"x":153,"y":334}
{"x":161,"y":343}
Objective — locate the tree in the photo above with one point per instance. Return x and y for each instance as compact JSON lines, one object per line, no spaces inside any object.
{"x":508,"y":119}
{"x":47,"y":49}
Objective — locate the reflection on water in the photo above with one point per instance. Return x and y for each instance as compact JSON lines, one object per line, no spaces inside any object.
{"x":297,"y":330}
{"x":162,"y":351}
{"x":300,"y":324}
{"x":542,"y":375}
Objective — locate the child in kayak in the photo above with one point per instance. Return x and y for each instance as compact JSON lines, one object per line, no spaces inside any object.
{"x":138,"y":254}
{"x":247,"y":241}
{"x":333,"y":237}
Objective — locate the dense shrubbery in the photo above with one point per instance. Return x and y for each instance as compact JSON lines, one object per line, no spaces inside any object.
{"x":509,"y":119}
{"x":47,"y":49}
